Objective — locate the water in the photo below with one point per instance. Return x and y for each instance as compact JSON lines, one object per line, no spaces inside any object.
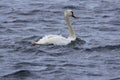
{"x":94,"y":55}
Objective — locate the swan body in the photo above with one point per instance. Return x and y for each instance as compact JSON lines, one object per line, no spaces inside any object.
{"x":55,"y":39}
{"x":58,"y":39}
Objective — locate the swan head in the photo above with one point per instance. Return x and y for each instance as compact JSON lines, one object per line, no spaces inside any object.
{"x":69,"y":12}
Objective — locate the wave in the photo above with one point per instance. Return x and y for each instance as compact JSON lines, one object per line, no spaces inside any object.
{"x":18,"y":21}
{"x":102,"y":48}
{"x":32,"y":12}
{"x":118,"y":78}
{"x":71,"y":7}
{"x":7,"y":46}
{"x":17,"y":74}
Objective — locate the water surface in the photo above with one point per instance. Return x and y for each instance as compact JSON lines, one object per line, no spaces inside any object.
{"x":94,"y":55}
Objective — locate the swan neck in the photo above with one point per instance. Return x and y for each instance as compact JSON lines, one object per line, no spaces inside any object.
{"x":71,"y":31}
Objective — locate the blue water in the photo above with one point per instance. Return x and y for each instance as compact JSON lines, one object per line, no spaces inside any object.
{"x":94,"y":55}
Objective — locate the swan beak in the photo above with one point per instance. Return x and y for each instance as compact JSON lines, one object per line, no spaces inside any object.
{"x":74,"y":16}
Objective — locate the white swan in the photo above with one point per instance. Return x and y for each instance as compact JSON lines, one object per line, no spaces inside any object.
{"x":58,"y":39}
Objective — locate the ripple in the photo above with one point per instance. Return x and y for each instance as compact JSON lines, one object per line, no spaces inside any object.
{"x":71,"y":7}
{"x":30,"y":66}
{"x":102,"y":48}
{"x":24,"y":64}
{"x":29,"y":38}
{"x":24,"y":46}
{"x":3,"y":6}
{"x":115,"y":22}
{"x":118,"y":78}
{"x":32,"y":12}
{"x":40,"y":4}
{"x":106,"y":29}
{"x":23,"y":42}
{"x":2,"y":27}
{"x":73,"y":65}
{"x":18,"y":21}
{"x":7,"y":46}
{"x":18,"y":74}
{"x":10,"y":31}
{"x":93,"y":74}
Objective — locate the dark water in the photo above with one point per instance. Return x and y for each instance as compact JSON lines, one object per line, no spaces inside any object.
{"x":95,"y":55}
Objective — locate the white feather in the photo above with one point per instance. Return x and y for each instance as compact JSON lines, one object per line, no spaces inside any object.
{"x":54,"y":39}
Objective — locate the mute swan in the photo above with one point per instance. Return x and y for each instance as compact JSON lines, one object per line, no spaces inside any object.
{"x":58,"y":39}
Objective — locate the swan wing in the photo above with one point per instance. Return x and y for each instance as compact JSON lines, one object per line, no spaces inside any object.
{"x":54,"y":39}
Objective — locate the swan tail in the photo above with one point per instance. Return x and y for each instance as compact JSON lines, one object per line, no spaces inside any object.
{"x":34,"y":43}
